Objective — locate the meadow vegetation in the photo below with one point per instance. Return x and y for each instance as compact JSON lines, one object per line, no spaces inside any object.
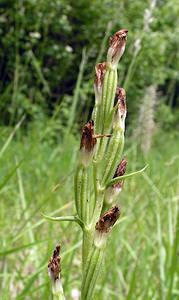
{"x":47,"y":57}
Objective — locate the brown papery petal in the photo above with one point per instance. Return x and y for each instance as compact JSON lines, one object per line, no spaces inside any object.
{"x":108,"y":219}
{"x":88,"y":141}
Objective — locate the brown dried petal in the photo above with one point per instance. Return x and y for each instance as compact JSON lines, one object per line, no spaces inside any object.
{"x":99,"y":76}
{"x":121,"y":97}
{"x":107,"y":220}
{"x":117,"y":44}
{"x":121,"y":168}
{"x":54,"y":264}
{"x":88,"y":141}
{"x":120,"y":171}
{"x":117,"y":37}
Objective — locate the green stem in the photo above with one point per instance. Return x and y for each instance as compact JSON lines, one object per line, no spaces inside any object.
{"x":98,"y":206}
{"x":88,"y":235}
{"x":84,"y":196}
{"x":57,"y":290}
{"x":82,"y":193}
{"x":98,"y":193}
{"x":91,"y":272}
{"x":77,"y":186}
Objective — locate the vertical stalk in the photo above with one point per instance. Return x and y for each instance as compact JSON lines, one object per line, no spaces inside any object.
{"x":96,"y":227}
{"x":88,"y":234}
{"x":77,"y":186}
{"x":91,"y":272}
{"x":82,"y":193}
{"x":105,"y":90}
{"x":84,"y":196}
{"x":96,"y":254}
{"x":57,"y":290}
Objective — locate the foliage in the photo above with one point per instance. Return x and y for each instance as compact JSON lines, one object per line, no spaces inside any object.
{"x":42,"y":42}
{"x":41,"y":48}
{"x":167,"y":119}
{"x":147,"y":228}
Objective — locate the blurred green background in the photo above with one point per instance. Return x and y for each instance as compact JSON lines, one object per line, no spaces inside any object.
{"x":47,"y":57}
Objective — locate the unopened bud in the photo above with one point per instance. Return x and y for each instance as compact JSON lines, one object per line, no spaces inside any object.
{"x":113,"y":191}
{"x":119,"y":120}
{"x":100,"y":71}
{"x":88,"y":142}
{"x":117,"y":47}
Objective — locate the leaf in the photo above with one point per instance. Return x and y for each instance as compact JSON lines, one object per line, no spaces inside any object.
{"x":17,"y":249}
{"x":9,"y":175}
{"x":65,"y":218}
{"x":118,"y":179}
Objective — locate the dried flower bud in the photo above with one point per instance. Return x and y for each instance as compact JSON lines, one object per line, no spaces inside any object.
{"x":100,"y":71}
{"x":88,"y":142}
{"x":121,"y":97}
{"x":117,"y":47}
{"x":120,"y":171}
{"x":113,"y":191}
{"x":107,"y":220}
{"x":121,"y":109}
{"x":54,"y":264}
{"x":54,"y":274}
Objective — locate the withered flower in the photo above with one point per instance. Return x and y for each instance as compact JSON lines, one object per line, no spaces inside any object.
{"x":107,"y":220}
{"x":54,"y":274}
{"x":100,"y":70}
{"x":121,"y":97}
{"x":121,"y":112}
{"x":120,"y":171}
{"x":88,"y":142}
{"x":113,"y":191}
{"x":117,"y":47}
{"x":54,"y":264}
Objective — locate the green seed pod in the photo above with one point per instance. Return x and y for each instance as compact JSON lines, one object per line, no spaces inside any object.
{"x":100,"y":71}
{"x":87,"y":147}
{"x":116,"y":143}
